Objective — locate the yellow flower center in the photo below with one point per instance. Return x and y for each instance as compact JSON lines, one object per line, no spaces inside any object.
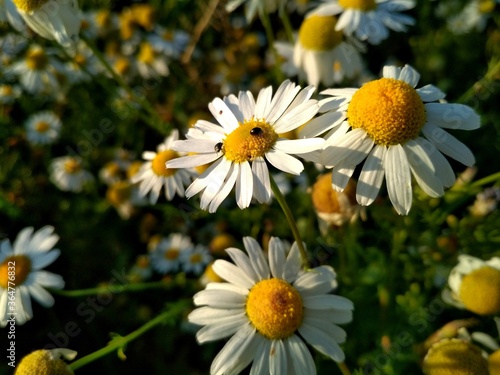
{"x":251,"y":139}
{"x":454,"y":357}
{"x":389,"y":110}
{"x":80,"y":59}
{"x":486,"y":6}
{"x":146,"y":53}
{"x":6,"y":90}
{"x":318,"y":33}
{"x":144,"y":15}
{"x":171,"y":254}
{"x":133,"y":169}
{"x":363,"y":5}
{"x":15,"y":269}
{"x":122,"y":66}
{"x":42,"y":362}
{"x":36,"y":59}
{"x":325,"y":199}
{"x":480,"y":291}
{"x":275,"y":308}
{"x":119,"y":193}
{"x":494,"y":363}
{"x":42,"y":126}
{"x":158,"y":163}
{"x":29,"y":5}
{"x":72,"y":166}
{"x":168,"y":35}
{"x":211,"y":276}
{"x":195,"y":258}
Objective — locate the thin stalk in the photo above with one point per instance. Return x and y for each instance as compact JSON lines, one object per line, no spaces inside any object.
{"x":286,"y":24}
{"x":291,"y":221}
{"x":118,"y":343}
{"x":343,"y":368}
{"x":155,"y":121}
{"x":135,"y":287}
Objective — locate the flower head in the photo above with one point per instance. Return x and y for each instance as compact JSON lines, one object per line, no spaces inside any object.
{"x":247,"y":136}
{"x":166,"y":254}
{"x":368,"y":20}
{"x":254,"y":6}
{"x":43,"y":128}
{"x":475,"y":285}
{"x":68,"y":174}
{"x":264,"y":305}
{"x":21,"y":265}
{"x":153,"y":175}
{"x":382,"y":122}
{"x":46,"y":362}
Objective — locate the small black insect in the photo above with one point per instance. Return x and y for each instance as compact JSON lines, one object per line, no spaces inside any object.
{"x":218,"y":147}
{"x":256,"y":131}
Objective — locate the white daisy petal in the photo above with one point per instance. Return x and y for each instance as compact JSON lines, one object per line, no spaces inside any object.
{"x":323,"y":302}
{"x":302,"y":360}
{"x":261,"y":182}
{"x":398,"y":179}
{"x":430,"y":93}
{"x":277,"y":358}
{"x":224,"y":328}
{"x":257,"y":258}
{"x":448,"y":144}
{"x":322,"y":342}
{"x":299,"y":146}
{"x":220,"y":299}
{"x":277,"y":258}
{"x":263,"y":102}
{"x":423,"y":169}
{"x":284,"y":162}
{"x":232,"y":274}
{"x":223,"y":114}
{"x":371,"y":176}
{"x":244,"y":186}
{"x":320,"y":281}
{"x":409,"y":75}
{"x":242,"y":261}
{"x":452,"y":116}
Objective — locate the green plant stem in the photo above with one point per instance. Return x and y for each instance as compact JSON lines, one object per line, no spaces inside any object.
{"x":486,"y":180}
{"x":118,"y":343}
{"x":133,"y":287}
{"x":291,"y":221}
{"x":264,"y":18}
{"x":286,"y":24}
{"x":490,"y":76}
{"x":343,"y":368}
{"x":155,"y":121}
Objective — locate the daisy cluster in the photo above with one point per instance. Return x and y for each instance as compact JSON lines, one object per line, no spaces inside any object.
{"x":299,"y":187}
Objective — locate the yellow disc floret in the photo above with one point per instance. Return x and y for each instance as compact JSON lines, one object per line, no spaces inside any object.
{"x":15,"y":269}
{"x":29,"y":5}
{"x":146,"y":53}
{"x":36,"y":59}
{"x":275,"y":308}
{"x":158,"y":163}
{"x":454,"y":357}
{"x":363,"y":5}
{"x":318,"y":33}
{"x":119,"y":193}
{"x":389,"y":110}
{"x":480,"y":291}
{"x":42,"y":362}
{"x":42,"y":126}
{"x":171,"y":254}
{"x":250,"y":140}
{"x":72,"y":166}
{"x":494,"y":363}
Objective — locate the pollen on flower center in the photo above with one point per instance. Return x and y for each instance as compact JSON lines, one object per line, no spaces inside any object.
{"x":42,"y":362}
{"x":318,"y":33}
{"x":251,"y":139}
{"x":389,"y":110}
{"x":119,"y":192}
{"x":42,"y":126}
{"x":171,"y":254}
{"x":146,"y":53}
{"x":72,"y":166}
{"x":36,"y":59}
{"x":29,"y":5}
{"x":275,"y":308}
{"x":22,"y":265}
{"x":480,"y":291}
{"x":364,"y":5}
{"x":454,"y":356}
{"x":158,"y":163}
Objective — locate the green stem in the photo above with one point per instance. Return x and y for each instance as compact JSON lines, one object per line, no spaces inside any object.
{"x":155,"y":121}
{"x":343,"y":368}
{"x":118,"y":343}
{"x":136,"y":287}
{"x":291,"y":221}
{"x":286,"y":24}
{"x":486,"y":180}
{"x":489,"y":77}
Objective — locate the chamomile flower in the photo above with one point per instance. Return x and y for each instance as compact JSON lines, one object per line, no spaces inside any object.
{"x":43,"y":128}
{"x":264,"y":305}
{"x":9,"y":93}
{"x":195,"y":259}
{"x":52,"y":19}
{"x":150,"y":62}
{"x":246,"y":137}
{"x":171,"y":43}
{"x":382,"y":122}
{"x":475,"y":285}
{"x":83,"y":65}
{"x":368,"y":20}
{"x":21,"y":265}
{"x":153,"y":174}
{"x":320,"y":54}
{"x":473,"y":17}
{"x":48,"y":360}
{"x":454,"y":356}
{"x":254,"y":6}
{"x":166,"y":254}
{"x":68,"y":174}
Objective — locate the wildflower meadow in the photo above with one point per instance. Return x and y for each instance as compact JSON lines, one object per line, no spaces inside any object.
{"x":250,"y":186}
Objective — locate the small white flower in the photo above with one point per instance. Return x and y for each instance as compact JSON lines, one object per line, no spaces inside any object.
{"x":43,"y":128}
{"x":195,"y":259}
{"x":68,"y":174}
{"x":246,"y":137}
{"x":166,"y":256}
{"x":21,"y":265}
{"x":254,"y":6}
{"x":264,"y":305}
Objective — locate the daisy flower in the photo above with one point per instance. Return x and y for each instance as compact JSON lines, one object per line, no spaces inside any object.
{"x":48,"y":360}
{"x":247,"y":136}
{"x":150,"y":62}
{"x":43,"y":128}
{"x":473,"y":17}
{"x":83,"y":66}
{"x":166,"y":254}
{"x":169,"y":42}
{"x":195,"y":259}
{"x":52,"y":19}
{"x":153,"y":175}
{"x":320,"y":54}
{"x":21,"y":265}
{"x":475,"y":285}
{"x":254,"y":6}
{"x":264,"y":305}
{"x":382,"y":122}
{"x":368,"y":20}
{"x":68,"y":174}
{"x":9,"y":93}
